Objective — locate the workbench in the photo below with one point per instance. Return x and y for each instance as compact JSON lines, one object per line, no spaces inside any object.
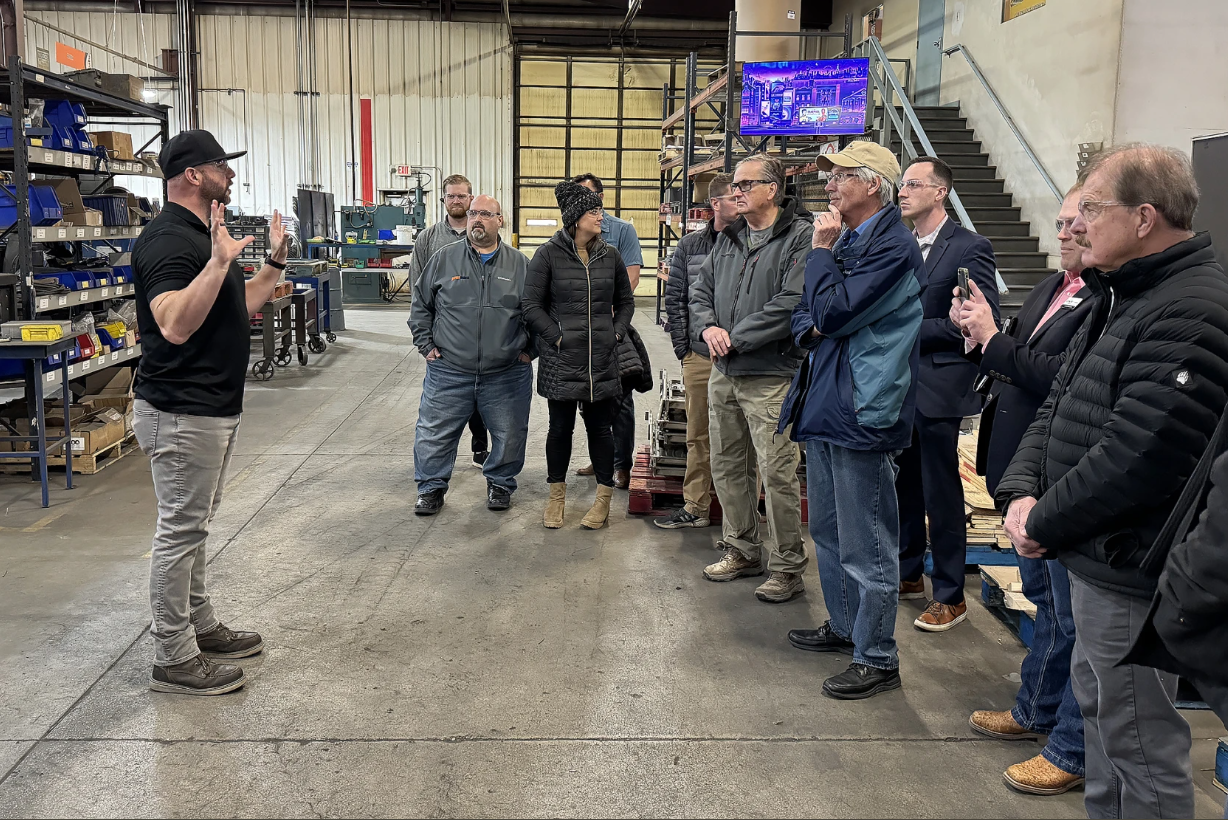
{"x":34,"y":355}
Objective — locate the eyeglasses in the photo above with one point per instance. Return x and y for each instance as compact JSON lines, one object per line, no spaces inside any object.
{"x":841,"y":178}
{"x":220,"y":164}
{"x":914,"y":184}
{"x":595,"y":212}
{"x":482,"y":214}
{"x":458,"y":197}
{"x":1063,"y":225}
{"x":1091,"y":209}
{"x":746,"y":185}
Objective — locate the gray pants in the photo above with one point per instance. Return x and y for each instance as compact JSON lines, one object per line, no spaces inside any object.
{"x":1138,"y":744}
{"x":189,"y":456}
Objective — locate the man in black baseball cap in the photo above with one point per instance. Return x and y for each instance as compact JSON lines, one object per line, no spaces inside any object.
{"x":192,"y":149}
{"x":193,"y":309}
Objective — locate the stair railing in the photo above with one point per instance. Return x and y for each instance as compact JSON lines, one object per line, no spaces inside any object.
{"x":1010,"y":121}
{"x":889,"y":90}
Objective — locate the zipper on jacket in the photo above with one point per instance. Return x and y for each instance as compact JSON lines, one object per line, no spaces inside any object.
{"x":481,"y":308}
{"x":588,"y":276}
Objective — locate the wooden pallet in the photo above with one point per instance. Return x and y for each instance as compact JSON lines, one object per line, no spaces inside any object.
{"x":82,"y":463}
{"x":1002,"y":594}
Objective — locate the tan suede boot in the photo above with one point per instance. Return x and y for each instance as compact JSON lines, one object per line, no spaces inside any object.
{"x":599,"y":513}
{"x":555,"y":507}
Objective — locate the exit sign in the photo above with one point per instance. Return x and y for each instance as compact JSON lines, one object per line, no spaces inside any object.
{"x":403,"y":171}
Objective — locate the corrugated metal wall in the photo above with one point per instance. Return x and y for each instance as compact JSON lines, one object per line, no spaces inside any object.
{"x":442,"y":94}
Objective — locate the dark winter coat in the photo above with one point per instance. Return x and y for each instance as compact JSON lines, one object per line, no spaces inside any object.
{"x":578,"y":314}
{"x":689,"y":254}
{"x":1186,"y":631}
{"x":634,"y":366}
{"x":1130,"y":413}
{"x":751,"y":293}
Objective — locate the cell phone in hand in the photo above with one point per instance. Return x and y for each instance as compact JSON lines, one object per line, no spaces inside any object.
{"x":962,"y":276}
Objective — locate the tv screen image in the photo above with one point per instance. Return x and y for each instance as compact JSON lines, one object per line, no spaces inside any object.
{"x":804,"y":98}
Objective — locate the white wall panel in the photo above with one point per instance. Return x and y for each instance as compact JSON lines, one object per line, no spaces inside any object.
{"x":441,"y":92}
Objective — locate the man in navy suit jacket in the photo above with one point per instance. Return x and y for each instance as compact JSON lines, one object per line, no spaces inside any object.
{"x":928,"y":480}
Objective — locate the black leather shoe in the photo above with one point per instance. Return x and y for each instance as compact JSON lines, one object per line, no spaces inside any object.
{"x":858,"y":682}
{"x":198,"y":676}
{"x":429,"y":502}
{"x":497,"y":498}
{"x":820,"y":640}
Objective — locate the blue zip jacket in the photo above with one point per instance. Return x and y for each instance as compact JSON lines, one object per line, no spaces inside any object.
{"x":858,"y":385}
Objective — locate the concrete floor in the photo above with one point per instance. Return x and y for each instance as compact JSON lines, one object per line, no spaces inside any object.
{"x":466,"y":665}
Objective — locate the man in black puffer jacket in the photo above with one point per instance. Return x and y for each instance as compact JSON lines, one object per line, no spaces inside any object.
{"x":1099,"y":471}
{"x":692,"y":352}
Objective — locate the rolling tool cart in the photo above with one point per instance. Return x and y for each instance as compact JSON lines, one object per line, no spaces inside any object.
{"x":318,"y":275}
{"x":306,"y":318}
{"x":275,"y":327}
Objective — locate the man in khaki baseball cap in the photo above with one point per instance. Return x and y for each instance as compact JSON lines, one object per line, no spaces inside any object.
{"x":863,"y":154}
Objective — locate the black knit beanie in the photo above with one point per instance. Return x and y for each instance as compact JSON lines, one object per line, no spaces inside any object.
{"x":575,"y":201}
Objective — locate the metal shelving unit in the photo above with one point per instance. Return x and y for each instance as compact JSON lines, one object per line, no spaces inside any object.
{"x":723,"y":96}
{"x":63,"y":301}
{"x":127,"y":355}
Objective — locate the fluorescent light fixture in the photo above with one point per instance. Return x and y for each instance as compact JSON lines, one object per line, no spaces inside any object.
{"x":149,"y":95}
{"x":542,"y":223}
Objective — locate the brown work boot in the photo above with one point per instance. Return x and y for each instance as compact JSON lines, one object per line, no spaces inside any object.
{"x":586,"y":471}
{"x":1039,"y":776}
{"x":912,"y":590}
{"x":555,"y":507}
{"x":1001,"y":725}
{"x":780,"y":587}
{"x":622,"y":479}
{"x":939,"y":617}
{"x":599,"y":513}
{"x":733,"y":565}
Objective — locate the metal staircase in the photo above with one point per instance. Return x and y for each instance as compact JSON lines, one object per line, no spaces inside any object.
{"x":979,"y":200}
{"x":983,"y":193}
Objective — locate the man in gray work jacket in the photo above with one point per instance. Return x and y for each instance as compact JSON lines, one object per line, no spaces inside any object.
{"x":466,"y":321}
{"x":741,"y":304}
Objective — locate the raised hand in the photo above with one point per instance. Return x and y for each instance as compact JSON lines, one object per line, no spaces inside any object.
{"x":827,"y":227}
{"x":279,"y":239}
{"x":225,"y":248}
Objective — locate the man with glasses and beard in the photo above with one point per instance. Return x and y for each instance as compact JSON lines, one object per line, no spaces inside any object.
{"x":193,"y":310}
{"x":466,"y":320}
{"x":457,"y":197}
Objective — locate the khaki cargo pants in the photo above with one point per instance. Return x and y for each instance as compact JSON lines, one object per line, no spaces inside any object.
{"x":697,"y":483}
{"x":744,"y":412}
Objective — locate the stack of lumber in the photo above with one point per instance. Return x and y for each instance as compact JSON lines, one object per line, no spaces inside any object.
{"x":984,"y":521}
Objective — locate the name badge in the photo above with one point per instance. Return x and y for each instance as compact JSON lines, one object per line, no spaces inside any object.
{"x":1073,"y":301}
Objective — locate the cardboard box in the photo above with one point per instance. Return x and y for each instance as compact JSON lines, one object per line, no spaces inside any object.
{"x":98,"y":433}
{"x":75,"y":212}
{"x":117,"y":143}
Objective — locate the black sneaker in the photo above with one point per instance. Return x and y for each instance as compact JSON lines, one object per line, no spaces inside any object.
{"x":822,"y":639}
{"x":199,"y":676}
{"x":479,"y":457}
{"x":498,"y":498}
{"x":681,"y":519}
{"x":859,"y":682}
{"x":429,"y":502}
{"x":224,"y":642}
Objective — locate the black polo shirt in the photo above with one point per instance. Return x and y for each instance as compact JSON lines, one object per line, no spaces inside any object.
{"x":204,"y":375}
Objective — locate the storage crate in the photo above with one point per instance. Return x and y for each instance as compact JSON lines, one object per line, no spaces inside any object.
{"x":114,"y":208}
{"x":44,"y":206}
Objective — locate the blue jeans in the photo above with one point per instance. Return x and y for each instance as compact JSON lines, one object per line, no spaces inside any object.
{"x":855,"y":524}
{"x":449,"y":397}
{"x":1046,"y":701}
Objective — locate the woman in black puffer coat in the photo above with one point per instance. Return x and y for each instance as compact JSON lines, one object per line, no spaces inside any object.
{"x":578,"y":305}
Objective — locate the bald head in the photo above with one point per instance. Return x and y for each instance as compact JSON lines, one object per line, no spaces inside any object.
{"x":485,"y":220}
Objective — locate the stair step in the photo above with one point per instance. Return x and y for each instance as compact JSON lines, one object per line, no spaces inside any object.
{"x":975,"y":200}
{"x":979,"y":215}
{"x":938,"y":134}
{"x":927,"y":122}
{"x":963,"y":159}
{"x":944,"y":148}
{"x":1020,"y":279}
{"x":979,"y":186}
{"x":991,"y":229}
{"x":966,"y":172}
{"x":1013,"y":244}
{"x":934,"y":111}
{"x":1031,"y":260}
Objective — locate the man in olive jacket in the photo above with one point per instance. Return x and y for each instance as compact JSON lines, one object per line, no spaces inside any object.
{"x":742,"y":302}
{"x":1101,"y":468}
{"x":466,"y":320}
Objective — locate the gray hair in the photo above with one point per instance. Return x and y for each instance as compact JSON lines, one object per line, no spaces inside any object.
{"x":886,"y":189}
{"x":773,"y":171}
{"x":1154,"y":175}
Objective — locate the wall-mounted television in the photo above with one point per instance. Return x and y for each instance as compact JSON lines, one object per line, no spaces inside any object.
{"x":804,"y":98}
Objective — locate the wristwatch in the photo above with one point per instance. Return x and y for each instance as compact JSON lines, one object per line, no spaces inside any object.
{"x":268,"y":260}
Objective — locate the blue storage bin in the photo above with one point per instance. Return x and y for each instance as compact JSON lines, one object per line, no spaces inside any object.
{"x":44,"y":206}
{"x":6,"y":133}
{"x":12,"y":369}
{"x":104,"y":277}
{"x":121,"y":274}
{"x":71,"y":279}
{"x":112,"y":342}
{"x":114,"y":208}
{"x":65,"y":114}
